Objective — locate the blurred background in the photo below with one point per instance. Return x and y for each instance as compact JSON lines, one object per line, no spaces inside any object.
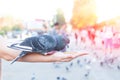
{"x":92,"y":25}
{"x":18,"y":17}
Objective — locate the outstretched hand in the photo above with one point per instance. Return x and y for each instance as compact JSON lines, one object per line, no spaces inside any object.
{"x":66,"y":56}
{"x":10,"y":54}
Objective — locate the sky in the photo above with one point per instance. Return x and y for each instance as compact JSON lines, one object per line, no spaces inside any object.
{"x":30,"y":9}
{"x":45,"y":9}
{"x":107,"y":9}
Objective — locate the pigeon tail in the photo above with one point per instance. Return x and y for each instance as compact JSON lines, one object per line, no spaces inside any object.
{"x":23,"y":53}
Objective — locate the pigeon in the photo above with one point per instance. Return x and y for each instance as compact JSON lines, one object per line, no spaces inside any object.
{"x":43,"y":44}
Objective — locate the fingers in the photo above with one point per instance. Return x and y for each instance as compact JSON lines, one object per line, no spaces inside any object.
{"x":69,"y":57}
{"x":66,"y":60}
{"x":62,"y":57}
{"x":79,"y":54}
{"x":76,"y":54}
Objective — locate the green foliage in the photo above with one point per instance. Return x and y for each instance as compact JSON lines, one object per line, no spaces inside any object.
{"x":59,"y":17}
{"x":16,"y":28}
{"x":4,"y":30}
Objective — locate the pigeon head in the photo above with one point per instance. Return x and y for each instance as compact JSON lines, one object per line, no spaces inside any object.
{"x":62,"y":42}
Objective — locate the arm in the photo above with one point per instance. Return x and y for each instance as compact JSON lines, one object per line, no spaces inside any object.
{"x":56,"y":57}
{"x":5,"y":52}
{"x":9,"y":54}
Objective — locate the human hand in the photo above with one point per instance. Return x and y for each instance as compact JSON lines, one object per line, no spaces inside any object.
{"x":66,"y":56}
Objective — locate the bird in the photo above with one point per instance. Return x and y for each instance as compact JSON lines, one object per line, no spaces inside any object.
{"x":43,"y":44}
